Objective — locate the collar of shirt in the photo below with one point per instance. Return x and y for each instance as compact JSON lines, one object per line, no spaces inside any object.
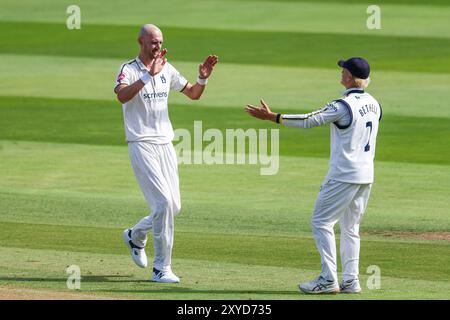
{"x":141,"y":64}
{"x":352,"y":90}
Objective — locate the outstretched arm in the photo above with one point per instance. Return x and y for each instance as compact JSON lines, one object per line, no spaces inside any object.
{"x":205,"y":69}
{"x":332,"y":112}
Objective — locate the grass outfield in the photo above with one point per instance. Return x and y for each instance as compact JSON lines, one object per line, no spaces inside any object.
{"x":61,"y":175}
{"x":291,"y":49}
{"x":112,"y":275}
{"x":100,"y":122}
{"x":401,"y":93}
{"x":59,"y":204}
{"x":67,"y":189}
{"x":398,"y":19}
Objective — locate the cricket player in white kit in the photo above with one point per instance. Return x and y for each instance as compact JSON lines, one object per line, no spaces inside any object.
{"x":343,"y":196}
{"x":142,"y":86}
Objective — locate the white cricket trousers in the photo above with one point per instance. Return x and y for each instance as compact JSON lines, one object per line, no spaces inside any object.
{"x":346,"y":203}
{"x":156,"y":170}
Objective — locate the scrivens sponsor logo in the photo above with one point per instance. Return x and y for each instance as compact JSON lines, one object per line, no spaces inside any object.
{"x":155,"y":95}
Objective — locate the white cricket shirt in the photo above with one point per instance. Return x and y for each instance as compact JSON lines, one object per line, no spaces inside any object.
{"x":355,"y":120}
{"x":146,"y":115}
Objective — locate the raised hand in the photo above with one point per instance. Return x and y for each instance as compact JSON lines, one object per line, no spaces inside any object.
{"x":262,"y":112}
{"x":205,"y":69}
{"x":158,"y":63}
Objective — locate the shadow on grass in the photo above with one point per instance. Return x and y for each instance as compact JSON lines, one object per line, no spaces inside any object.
{"x":155,"y":287}
{"x":177,"y":290}
{"x":93,"y":278}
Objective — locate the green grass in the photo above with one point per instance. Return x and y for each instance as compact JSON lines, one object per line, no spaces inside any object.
{"x":67,"y":189}
{"x":105,"y":265}
{"x":428,"y":262}
{"x":316,"y":50}
{"x":114,"y":275}
{"x":291,"y":89}
{"x":314,"y":16}
{"x":88,"y":185}
{"x":380,"y":2}
{"x":100,"y":122}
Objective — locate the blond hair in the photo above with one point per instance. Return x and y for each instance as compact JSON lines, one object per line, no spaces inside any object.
{"x":361,"y":83}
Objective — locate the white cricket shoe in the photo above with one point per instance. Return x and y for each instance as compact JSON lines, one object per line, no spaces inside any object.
{"x":350,"y":286}
{"x":137,"y":253}
{"x":319,"y":286}
{"x":164,"y":276}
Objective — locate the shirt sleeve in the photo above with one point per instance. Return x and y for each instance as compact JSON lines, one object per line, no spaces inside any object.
{"x":123,"y":76}
{"x":333,"y":112}
{"x":177,"y":81}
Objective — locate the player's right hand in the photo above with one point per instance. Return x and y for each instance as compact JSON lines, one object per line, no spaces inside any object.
{"x":262,"y":112}
{"x":158,"y":63}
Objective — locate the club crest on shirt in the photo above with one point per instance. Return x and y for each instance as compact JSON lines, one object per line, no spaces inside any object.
{"x":163,"y":79}
{"x":331,"y":107}
{"x":120,"y":77}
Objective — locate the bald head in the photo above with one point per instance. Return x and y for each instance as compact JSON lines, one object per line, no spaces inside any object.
{"x":149,"y":30}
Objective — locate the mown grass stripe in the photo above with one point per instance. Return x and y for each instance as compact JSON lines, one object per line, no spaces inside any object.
{"x":86,"y":185}
{"x":378,"y":2}
{"x":114,"y":274}
{"x":326,"y":17}
{"x":90,"y":185}
{"x":403,"y":139}
{"x":264,"y":48}
{"x":232,"y":85}
{"x":427,"y":263}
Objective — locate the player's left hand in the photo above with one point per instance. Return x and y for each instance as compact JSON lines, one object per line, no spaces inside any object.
{"x":262,"y":112}
{"x":205,"y":69}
